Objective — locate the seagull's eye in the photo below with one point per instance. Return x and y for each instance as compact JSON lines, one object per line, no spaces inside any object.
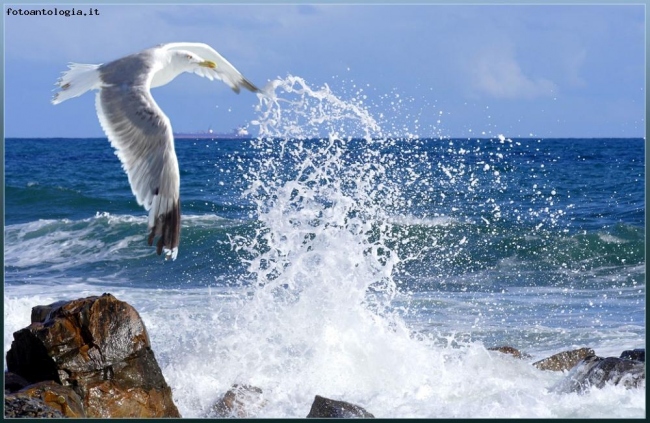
{"x":189,"y":56}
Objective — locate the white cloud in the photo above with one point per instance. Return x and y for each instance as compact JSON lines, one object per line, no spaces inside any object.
{"x":497,"y":72}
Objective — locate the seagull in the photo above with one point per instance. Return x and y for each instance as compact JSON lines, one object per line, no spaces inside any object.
{"x":139,"y":130}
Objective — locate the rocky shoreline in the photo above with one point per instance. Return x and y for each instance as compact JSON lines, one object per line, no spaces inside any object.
{"x":91,"y":357}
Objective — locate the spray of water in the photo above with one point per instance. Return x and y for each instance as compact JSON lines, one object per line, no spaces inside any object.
{"x":320,"y":313}
{"x":320,"y":319}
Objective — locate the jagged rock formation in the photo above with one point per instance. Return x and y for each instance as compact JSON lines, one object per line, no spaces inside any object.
{"x":99,"y":347}
{"x":596,"y":372}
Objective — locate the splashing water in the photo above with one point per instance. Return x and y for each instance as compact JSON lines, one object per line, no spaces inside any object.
{"x":322,"y":315}
{"x":322,"y":267}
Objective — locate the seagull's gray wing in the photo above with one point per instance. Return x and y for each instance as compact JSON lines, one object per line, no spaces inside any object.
{"x":142,"y":136}
{"x":224,"y":70}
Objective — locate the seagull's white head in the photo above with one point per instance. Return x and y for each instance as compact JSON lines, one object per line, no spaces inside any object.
{"x":189,"y":62}
{"x":178,"y":61}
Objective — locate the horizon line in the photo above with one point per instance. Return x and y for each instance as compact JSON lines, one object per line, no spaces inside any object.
{"x":221,"y":137}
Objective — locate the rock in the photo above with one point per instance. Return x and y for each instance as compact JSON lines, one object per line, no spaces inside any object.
{"x":28,"y":407}
{"x":58,"y":397}
{"x":636,"y":354}
{"x":40,"y":313}
{"x":325,"y":407}
{"x":565,"y":360}
{"x":240,"y":401}
{"x":29,"y":358}
{"x":99,"y":346}
{"x":14,"y":382}
{"x":597,"y":372}
{"x":510,"y":350}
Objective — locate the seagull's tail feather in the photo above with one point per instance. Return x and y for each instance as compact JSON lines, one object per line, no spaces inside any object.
{"x":167,"y":226}
{"x":76,"y":81}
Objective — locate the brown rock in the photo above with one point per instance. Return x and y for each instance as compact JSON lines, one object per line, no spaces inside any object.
{"x":565,"y":360}
{"x":40,"y":312}
{"x":510,"y":350}
{"x":240,"y":401}
{"x":58,"y":397}
{"x":99,"y":346}
{"x":325,"y":407}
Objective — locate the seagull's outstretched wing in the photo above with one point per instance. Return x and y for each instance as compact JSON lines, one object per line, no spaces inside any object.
{"x":223,"y":71}
{"x":142,"y":135}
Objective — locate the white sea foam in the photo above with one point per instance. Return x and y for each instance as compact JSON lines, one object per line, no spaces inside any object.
{"x":59,"y":244}
{"x":611,"y":239}
{"x":342,"y":352}
{"x":423,"y":221}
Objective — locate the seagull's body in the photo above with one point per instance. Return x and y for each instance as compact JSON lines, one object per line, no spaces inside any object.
{"x":139,"y":130}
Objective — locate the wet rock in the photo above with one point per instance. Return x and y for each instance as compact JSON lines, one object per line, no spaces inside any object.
{"x":240,"y":401}
{"x":565,"y":360}
{"x":99,"y":346}
{"x":58,"y":397}
{"x":40,"y":313}
{"x":596,"y":372}
{"x":510,"y":350}
{"x":29,"y":358}
{"x":636,"y":354}
{"x":14,"y":382}
{"x":325,"y":407}
{"x":16,"y":406}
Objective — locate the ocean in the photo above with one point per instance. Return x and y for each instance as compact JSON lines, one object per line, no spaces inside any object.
{"x":328,"y":257}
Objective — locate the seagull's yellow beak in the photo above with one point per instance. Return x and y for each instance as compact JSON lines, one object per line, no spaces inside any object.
{"x":208,"y":64}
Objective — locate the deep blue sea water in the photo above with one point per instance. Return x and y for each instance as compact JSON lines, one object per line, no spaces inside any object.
{"x":371,"y":269}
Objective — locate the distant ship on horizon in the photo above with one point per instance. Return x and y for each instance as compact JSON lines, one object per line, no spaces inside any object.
{"x":237,"y":133}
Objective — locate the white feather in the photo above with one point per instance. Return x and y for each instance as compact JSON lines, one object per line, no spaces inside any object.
{"x":76,"y":81}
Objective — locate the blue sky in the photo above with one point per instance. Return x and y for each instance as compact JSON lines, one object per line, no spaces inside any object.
{"x":464,"y":70}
